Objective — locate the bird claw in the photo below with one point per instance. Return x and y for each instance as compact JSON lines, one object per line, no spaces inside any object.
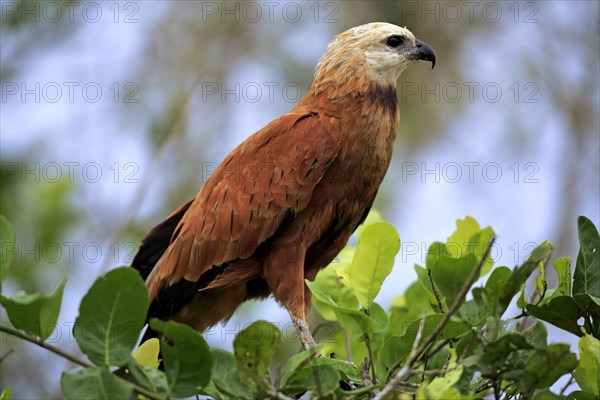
{"x":304,"y":332}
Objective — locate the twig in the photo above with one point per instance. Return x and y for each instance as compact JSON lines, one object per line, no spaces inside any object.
{"x":46,"y":346}
{"x":424,"y":369}
{"x":364,"y":371}
{"x":274,"y":392}
{"x":277,"y":394}
{"x":370,"y":351}
{"x":483,"y":387}
{"x":8,"y":353}
{"x":435,"y":292}
{"x":569,"y":383}
{"x":459,"y":297}
{"x":439,"y":372}
{"x":409,"y":384}
{"x":371,"y":360}
{"x":522,"y":322}
{"x":348,"y":348}
{"x":406,"y":368}
{"x":73,"y":359}
{"x":496,"y":387}
{"x":441,"y":345}
{"x":418,"y":352}
{"x":524,"y":313}
{"x":445,"y":367}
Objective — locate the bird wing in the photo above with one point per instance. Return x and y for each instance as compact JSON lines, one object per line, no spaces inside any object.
{"x":156,"y":241}
{"x":269,"y":177}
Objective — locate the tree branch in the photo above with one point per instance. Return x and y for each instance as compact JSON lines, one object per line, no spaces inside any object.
{"x":46,"y":346}
{"x":405,"y":370}
{"x":459,"y":297}
{"x":418,"y":352}
{"x":73,"y":359}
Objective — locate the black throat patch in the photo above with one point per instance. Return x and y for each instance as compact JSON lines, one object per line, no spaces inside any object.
{"x":385,"y":96}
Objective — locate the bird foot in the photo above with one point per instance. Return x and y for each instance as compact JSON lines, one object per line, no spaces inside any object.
{"x":304,"y":332}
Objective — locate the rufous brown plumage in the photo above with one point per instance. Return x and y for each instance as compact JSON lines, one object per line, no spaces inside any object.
{"x":284,"y":202}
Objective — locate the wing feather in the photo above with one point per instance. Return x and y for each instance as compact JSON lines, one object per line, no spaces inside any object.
{"x":269,"y":177}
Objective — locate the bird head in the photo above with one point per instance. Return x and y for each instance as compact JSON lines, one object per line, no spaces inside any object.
{"x":377,"y":51}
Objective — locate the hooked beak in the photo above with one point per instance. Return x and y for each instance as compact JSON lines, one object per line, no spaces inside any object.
{"x":424,"y":52}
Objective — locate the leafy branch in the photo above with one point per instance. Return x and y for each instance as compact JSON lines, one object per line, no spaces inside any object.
{"x":418,"y":351}
{"x":432,"y":342}
{"x":60,"y":352}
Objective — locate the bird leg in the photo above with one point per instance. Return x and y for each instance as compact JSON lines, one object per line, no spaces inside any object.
{"x":303,"y":331}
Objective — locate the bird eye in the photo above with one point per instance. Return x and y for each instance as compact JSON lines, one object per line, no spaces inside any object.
{"x":394,"y":41}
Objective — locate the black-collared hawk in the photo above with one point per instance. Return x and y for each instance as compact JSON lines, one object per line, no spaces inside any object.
{"x":284,"y":202}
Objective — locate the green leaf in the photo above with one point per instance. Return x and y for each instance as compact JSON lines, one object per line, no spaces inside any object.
{"x":546,"y":394}
{"x":519,"y":276}
{"x":148,"y":377}
{"x":374,"y":216}
{"x":449,"y":274}
{"x":342,"y":344}
{"x":186,"y":358}
{"x":296,"y":363}
{"x":470,"y":240}
{"x":225,"y":380}
{"x":5,"y":394}
{"x":319,"y":379}
{"x":329,"y":282}
{"x":425,"y":282}
{"x":409,"y":307}
{"x":459,"y":242}
{"x":587,"y":373}
{"x":254,"y":347}
{"x":471,"y":312}
{"x":536,"y":335}
{"x":487,"y":297}
{"x":423,"y":279}
{"x":380,"y":322}
{"x":396,"y":348}
{"x":348,"y":371}
{"x":7,"y":247}
{"x":562,"y":266}
{"x":35,"y":313}
{"x":587,"y":270}
{"x":561,"y":311}
{"x":438,"y":387}
{"x":353,"y":321}
{"x":147,"y":353}
{"x":581,"y":395}
{"x":589,"y":308}
{"x":540,"y":280}
{"x":111,"y":315}
{"x":521,"y":302}
{"x":506,"y":353}
{"x":543,"y":367}
{"x":94,"y":384}
{"x":452,"y":263}
{"x":498,"y":350}
{"x":373,"y":261}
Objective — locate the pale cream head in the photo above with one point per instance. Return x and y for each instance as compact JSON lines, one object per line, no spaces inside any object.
{"x":379,"y":50}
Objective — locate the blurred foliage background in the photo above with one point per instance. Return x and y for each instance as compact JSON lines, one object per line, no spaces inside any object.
{"x":113,"y":114}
